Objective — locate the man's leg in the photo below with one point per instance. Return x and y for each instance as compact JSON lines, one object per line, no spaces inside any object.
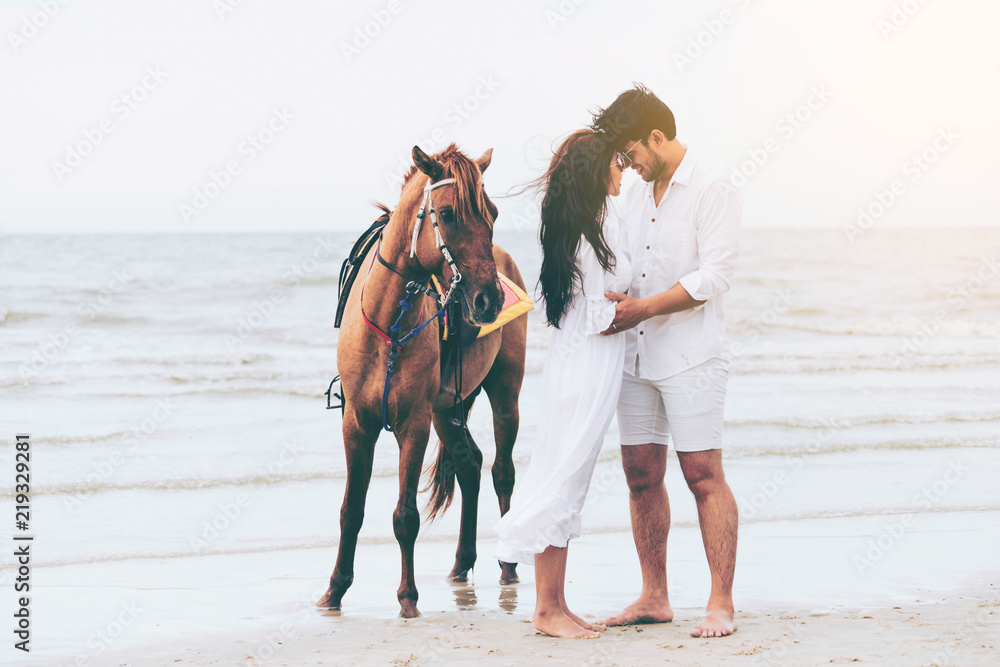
{"x":719,"y":520}
{"x":645,"y":466}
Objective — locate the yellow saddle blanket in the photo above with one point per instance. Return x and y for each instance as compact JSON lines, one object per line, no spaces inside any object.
{"x":515,"y":304}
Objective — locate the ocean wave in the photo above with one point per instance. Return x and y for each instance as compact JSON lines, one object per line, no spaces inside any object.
{"x":969,"y":416}
{"x":610,"y":455}
{"x":188,"y":359}
{"x":12,"y":316}
{"x":829,"y":514}
{"x":896,"y":327}
{"x":483,"y":536}
{"x":809,"y":448}
{"x":884,"y":362}
{"x":190,"y":483}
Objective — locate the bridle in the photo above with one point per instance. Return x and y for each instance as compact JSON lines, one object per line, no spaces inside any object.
{"x":393,"y":339}
{"x":428,"y":205}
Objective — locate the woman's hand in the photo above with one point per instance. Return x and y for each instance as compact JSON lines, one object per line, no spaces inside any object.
{"x":628,"y":313}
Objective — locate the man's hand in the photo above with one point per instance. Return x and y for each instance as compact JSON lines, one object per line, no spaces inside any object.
{"x":628,"y":313}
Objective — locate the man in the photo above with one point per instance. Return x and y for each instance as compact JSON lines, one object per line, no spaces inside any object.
{"x":683,"y":226}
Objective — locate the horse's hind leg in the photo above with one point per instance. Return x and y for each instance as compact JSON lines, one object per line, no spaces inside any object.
{"x":359,"y":445}
{"x":468,"y":462}
{"x":503,"y":385}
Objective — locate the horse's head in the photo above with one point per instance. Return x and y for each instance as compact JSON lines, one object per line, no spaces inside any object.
{"x":465,"y":217}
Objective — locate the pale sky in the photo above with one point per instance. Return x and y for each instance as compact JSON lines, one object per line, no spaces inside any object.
{"x":198,"y":80}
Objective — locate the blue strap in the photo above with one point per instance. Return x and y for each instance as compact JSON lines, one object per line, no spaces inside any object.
{"x":396,"y":344}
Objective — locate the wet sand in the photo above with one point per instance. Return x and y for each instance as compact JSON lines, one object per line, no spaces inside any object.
{"x":964,"y":630}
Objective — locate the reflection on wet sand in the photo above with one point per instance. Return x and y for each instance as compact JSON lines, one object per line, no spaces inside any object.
{"x":466,"y":598}
{"x":465,"y":595}
{"x":508,"y":599}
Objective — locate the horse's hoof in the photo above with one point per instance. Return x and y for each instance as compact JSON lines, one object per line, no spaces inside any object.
{"x":508,"y":574}
{"x":326,"y":602}
{"x":327,"y":606}
{"x":409,"y":611}
{"x":459,"y":577}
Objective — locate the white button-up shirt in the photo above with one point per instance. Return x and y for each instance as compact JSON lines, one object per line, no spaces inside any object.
{"x":692,"y":238}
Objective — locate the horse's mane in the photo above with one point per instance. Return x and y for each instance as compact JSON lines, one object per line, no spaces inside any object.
{"x":471,"y":198}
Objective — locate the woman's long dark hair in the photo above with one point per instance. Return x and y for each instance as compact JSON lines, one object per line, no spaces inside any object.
{"x":575,"y":203}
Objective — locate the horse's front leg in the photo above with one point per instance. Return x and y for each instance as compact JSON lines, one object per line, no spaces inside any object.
{"x":359,"y":445}
{"x":412,"y":438}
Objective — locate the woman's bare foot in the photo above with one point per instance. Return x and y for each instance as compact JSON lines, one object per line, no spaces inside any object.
{"x":643,"y":610}
{"x":593,"y":627}
{"x":717,"y":623}
{"x":558,"y":624}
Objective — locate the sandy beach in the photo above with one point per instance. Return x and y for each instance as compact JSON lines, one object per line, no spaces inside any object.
{"x":962,"y":630}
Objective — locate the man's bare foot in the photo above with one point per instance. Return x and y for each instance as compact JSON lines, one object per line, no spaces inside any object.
{"x":559,"y":624}
{"x":594,"y":627}
{"x":717,"y":623}
{"x":643,"y":610}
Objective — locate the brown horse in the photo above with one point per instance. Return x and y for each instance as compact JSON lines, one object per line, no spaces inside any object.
{"x":419,"y":395}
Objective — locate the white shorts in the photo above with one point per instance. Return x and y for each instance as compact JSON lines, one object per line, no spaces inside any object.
{"x":686,"y":408}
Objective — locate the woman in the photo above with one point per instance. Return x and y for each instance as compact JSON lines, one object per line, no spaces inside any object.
{"x":582,"y":258}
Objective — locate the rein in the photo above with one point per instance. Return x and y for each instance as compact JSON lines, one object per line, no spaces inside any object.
{"x":393,"y":339}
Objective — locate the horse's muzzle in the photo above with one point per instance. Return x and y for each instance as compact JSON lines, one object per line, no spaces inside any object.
{"x":486,"y":304}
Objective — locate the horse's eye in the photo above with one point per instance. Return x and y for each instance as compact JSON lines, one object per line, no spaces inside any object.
{"x":448,"y":216}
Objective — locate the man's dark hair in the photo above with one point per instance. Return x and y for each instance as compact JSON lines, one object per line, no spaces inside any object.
{"x":632,"y":116}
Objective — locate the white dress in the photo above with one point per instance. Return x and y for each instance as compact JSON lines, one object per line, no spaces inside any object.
{"x":581,"y":381}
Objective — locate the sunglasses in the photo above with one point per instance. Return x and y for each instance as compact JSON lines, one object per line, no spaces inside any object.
{"x":623,"y":159}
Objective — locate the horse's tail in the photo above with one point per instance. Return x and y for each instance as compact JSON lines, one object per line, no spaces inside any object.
{"x":441,"y":483}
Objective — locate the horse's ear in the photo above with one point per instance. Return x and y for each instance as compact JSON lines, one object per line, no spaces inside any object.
{"x":427,"y":164}
{"x":484,"y":160}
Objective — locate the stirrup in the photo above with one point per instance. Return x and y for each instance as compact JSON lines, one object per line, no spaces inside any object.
{"x":330,"y":395}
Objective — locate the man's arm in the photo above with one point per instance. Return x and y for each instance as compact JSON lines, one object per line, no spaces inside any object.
{"x":718,"y":244}
{"x":631,"y":311}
